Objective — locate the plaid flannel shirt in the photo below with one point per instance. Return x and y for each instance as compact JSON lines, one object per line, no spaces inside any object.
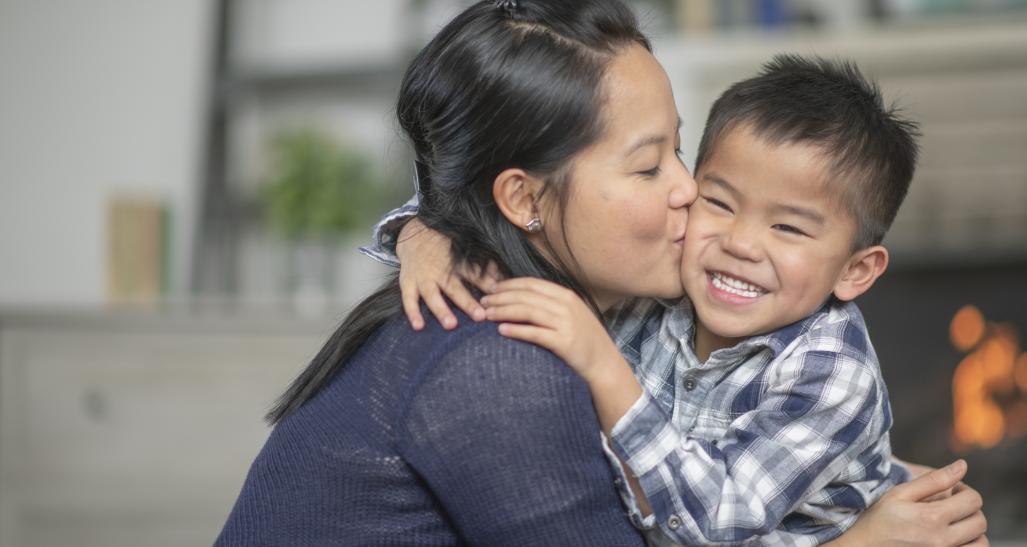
{"x":779,"y":440}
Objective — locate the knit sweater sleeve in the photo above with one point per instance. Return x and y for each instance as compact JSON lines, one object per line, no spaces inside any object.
{"x":506,"y":437}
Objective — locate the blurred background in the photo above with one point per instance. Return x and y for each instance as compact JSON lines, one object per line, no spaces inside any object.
{"x":184,"y":183}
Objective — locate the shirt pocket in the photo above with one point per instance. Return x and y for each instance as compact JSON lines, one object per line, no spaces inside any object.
{"x":710,"y":425}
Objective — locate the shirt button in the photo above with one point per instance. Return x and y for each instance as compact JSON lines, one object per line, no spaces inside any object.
{"x":689,"y":383}
{"x":674,"y":522}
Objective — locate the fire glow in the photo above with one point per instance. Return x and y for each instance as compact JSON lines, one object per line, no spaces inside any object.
{"x":989,"y":386}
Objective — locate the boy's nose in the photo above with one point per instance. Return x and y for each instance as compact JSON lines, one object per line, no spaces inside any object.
{"x":741,"y":243}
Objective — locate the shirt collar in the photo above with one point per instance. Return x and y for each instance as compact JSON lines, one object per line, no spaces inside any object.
{"x":680,"y":323}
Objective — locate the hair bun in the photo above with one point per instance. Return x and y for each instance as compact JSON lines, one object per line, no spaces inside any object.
{"x":507,"y":6}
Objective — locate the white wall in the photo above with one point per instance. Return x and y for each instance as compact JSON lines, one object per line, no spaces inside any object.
{"x":97,"y":99}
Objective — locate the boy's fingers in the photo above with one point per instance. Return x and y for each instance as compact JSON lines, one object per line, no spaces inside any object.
{"x":547,"y":288}
{"x":932,"y":483}
{"x":458,"y":293}
{"x":521,"y":313}
{"x":479,"y":278}
{"x":528,"y":333}
{"x":412,"y":305}
{"x":492,"y":272}
{"x":437,"y":304}
{"x":526,"y":297}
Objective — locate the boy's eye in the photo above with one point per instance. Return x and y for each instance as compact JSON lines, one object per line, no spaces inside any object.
{"x":718,"y":204}
{"x":789,"y":229}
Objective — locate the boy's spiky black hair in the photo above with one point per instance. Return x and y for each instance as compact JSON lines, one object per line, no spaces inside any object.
{"x":870,"y":148}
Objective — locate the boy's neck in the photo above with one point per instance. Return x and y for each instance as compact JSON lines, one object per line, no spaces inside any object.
{"x":707,"y":342}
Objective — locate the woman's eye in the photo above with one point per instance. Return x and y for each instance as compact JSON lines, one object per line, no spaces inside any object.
{"x":650,"y":172}
{"x":789,"y":229}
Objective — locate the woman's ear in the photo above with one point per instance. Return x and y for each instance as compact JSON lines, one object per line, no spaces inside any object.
{"x":516,"y":194}
{"x":862,"y":270}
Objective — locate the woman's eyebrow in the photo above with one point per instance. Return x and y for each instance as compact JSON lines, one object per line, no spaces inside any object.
{"x":648,"y":140}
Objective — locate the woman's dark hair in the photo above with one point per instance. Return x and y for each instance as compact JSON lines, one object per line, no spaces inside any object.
{"x":504,"y":84}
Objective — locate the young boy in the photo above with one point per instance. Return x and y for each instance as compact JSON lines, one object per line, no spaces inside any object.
{"x":764,"y":417}
{"x":764,"y":405}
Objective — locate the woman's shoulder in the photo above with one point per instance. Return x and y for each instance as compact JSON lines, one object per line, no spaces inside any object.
{"x":478,"y":360}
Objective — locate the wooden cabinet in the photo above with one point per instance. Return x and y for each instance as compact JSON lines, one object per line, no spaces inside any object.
{"x":132,"y":430}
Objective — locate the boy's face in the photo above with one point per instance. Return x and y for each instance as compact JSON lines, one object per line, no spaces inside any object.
{"x":766,"y":241}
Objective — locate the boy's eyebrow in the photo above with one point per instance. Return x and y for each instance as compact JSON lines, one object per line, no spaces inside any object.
{"x":787,"y":208}
{"x":808,"y":214}
{"x":648,"y":140}
{"x":719,"y":181}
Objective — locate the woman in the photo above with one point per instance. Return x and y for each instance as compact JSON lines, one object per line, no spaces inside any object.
{"x":463,"y":436}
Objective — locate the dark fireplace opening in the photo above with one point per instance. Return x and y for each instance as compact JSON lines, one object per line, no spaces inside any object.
{"x":924,"y":322}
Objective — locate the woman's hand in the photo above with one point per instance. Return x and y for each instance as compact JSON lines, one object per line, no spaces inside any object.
{"x":917,"y":470}
{"x":904,"y":516}
{"x":426,"y":273}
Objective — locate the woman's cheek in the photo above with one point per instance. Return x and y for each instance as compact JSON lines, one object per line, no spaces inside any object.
{"x":648,"y":219}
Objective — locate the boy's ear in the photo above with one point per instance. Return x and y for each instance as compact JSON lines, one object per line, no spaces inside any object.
{"x":515,"y":193}
{"x":862,"y":270}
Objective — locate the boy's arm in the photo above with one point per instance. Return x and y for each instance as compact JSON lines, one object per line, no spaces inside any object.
{"x":386,"y":233}
{"x":427,"y":273}
{"x":818,"y":415}
{"x":555,"y":318}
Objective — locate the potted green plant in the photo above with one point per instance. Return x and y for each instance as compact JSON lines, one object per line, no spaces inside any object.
{"x":316,"y":193}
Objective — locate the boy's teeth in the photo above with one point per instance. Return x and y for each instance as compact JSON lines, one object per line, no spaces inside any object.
{"x":736,"y":286}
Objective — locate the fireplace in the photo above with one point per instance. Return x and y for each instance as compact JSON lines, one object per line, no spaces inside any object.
{"x":949,"y":341}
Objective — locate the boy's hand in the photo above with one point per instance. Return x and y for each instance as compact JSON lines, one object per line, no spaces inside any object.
{"x":555,"y":318}
{"x":426,"y":272}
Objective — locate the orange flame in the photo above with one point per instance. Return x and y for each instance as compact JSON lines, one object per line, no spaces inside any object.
{"x":989,"y":384}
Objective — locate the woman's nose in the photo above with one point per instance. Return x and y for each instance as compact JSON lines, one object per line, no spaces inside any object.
{"x":685,"y":189}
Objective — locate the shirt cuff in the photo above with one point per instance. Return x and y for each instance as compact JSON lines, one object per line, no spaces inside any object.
{"x":383,"y":240}
{"x":644,"y":437}
{"x":624,"y":489}
{"x":380,"y":256}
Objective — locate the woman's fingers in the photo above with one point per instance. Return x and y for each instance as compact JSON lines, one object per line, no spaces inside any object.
{"x":960,"y":505}
{"x":932,"y":483}
{"x":968,"y":530}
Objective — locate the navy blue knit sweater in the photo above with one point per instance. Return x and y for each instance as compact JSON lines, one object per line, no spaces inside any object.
{"x":436,"y":438}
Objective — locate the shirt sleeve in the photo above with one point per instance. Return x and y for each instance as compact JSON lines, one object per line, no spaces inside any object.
{"x":506,"y":437}
{"x":817,"y":416}
{"x":383,"y":239}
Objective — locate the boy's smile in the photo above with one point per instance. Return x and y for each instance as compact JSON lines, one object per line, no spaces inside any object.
{"x":767,"y":241}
